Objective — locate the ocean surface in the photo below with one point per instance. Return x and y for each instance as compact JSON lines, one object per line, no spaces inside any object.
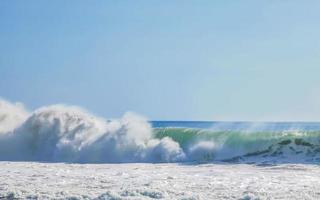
{"x":65,"y":152}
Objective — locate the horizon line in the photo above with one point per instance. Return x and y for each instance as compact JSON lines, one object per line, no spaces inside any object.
{"x":238,"y":121}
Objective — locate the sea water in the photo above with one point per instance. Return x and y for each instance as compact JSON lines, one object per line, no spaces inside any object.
{"x":65,"y":152}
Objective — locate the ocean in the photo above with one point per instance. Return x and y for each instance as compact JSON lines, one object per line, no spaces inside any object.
{"x":65,"y":152}
{"x":269,"y":142}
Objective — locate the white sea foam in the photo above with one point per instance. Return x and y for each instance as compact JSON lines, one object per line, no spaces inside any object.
{"x":132,"y":181}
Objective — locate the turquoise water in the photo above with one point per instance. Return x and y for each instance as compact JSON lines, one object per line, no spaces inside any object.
{"x":242,"y":141}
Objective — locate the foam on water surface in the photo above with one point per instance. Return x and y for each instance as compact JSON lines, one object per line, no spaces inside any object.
{"x":21,"y":180}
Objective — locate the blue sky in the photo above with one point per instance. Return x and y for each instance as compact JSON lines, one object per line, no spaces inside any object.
{"x":167,"y":60}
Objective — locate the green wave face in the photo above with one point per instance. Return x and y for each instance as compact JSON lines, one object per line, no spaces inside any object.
{"x":237,"y":145}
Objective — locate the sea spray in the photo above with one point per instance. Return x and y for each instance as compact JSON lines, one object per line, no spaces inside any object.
{"x":62,"y":133}
{"x":11,"y":116}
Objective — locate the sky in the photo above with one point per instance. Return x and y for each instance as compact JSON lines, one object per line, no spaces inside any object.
{"x":166,"y":60}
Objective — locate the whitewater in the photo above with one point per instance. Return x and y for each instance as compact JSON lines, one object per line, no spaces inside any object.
{"x":65,"y":152}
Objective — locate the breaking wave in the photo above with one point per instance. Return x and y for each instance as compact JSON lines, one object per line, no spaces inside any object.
{"x":61,"y":133}
{"x":243,"y":146}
